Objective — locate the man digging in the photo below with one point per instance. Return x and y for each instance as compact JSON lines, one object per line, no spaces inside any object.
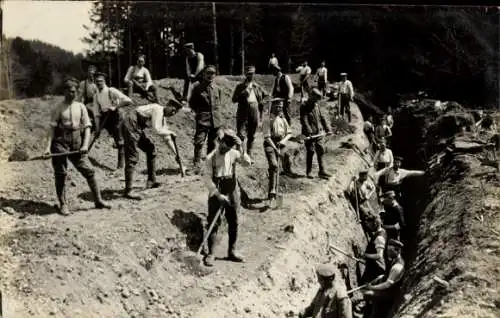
{"x":249,"y":95}
{"x":133,"y":129}
{"x":195,"y":63}
{"x":70,"y":131}
{"x":224,"y":193}
{"x":313,"y":125}
{"x":276,"y":134}
{"x":106,"y":108}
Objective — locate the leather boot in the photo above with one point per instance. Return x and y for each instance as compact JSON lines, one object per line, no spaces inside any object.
{"x":210,"y":258}
{"x":232,"y":255}
{"x":99,"y":203}
{"x":121,"y":158}
{"x":287,"y":165}
{"x":129,"y":181}
{"x":197,"y":159}
{"x":151,"y":165}
{"x":309,"y":163}
{"x":60,"y":181}
{"x":322,"y":173}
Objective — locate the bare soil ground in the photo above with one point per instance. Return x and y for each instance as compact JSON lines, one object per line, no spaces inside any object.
{"x":126,"y":262}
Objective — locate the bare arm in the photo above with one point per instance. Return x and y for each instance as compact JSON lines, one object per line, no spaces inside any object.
{"x":85,"y":122}
{"x":393,"y":277}
{"x":149,"y":80}
{"x":128,"y":76}
{"x":411,"y":173}
{"x":208,"y":175}
{"x":50,"y":136}
{"x":123,"y":100}
{"x":290,"y":87}
{"x":201,"y":64}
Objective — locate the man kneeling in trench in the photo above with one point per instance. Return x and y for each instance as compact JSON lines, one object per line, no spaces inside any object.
{"x":331,"y":300}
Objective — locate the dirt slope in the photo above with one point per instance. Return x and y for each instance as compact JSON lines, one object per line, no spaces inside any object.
{"x":125,"y":262}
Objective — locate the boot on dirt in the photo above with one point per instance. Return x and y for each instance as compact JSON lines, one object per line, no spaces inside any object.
{"x":121,"y":158}
{"x":235,"y":257}
{"x":309,"y":163}
{"x":232,"y":255}
{"x":151,"y":166}
{"x":60,"y":181}
{"x":272,"y":202}
{"x":129,"y":180}
{"x":322,"y":173}
{"x":99,"y":203}
{"x":209,"y":260}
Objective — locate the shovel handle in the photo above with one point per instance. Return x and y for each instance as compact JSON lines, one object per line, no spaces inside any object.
{"x":56,"y":155}
{"x":210,"y":229}
{"x":348,"y":255}
{"x":177,"y":155}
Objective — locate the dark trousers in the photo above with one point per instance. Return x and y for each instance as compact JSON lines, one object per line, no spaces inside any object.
{"x":229,"y":187}
{"x":272,"y":161}
{"x":287,"y":105}
{"x":345,"y":106}
{"x":113,"y":119}
{"x":322,"y":86}
{"x":132,"y":86}
{"x":135,"y":138}
{"x":247,"y":121}
{"x":304,"y":86}
{"x":187,"y":82}
{"x":382,"y":165}
{"x":203,"y":133}
{"x":312,"y":146}
{"x":372,"y":271}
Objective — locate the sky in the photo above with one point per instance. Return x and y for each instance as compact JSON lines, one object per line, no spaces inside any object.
{"x":55,"y":22}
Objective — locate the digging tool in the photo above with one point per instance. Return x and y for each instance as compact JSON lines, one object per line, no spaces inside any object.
{"x":357,"y":202}
{"x":195,"y":260}
{"x":45,"y":157}
{"x":177,"y":155}
{"x":279,"y":196}
{"x":346,"y":254}
{"x":350,"y":291}
{"x":98,"y":131}
{"x":350,"y":145}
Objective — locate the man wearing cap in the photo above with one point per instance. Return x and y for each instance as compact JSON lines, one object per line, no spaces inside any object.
{"x":346,"y":92}
{"x":374,"y":255}
{"x":133,"y":129}
{"x":106,"y":107}
{"x":393,"y":217}
{"x":87,"y":90}
{"x":277,"y":132}
{"x":138,"y":78}
{"x":220,"y":179}
{"x":70,"y":131}
{"x":249,"y":95}
{"x":387,"y":285}
{"x":314,"y":125}
{"x":205,"y":101}
{"x":365,"y":190}
{"x":331,"y":300}
{"x":390,"y":178}
{"x":383,"y":157}
{"x":322,"y":78}
{"x":195,"y":63}
{"x":283,"y":88}
{"x":305,"y":72}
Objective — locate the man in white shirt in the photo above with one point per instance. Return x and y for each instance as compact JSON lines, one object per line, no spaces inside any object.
{"x":138,"y":78}
{"x":273,"y":62}
{"x":383,"y":157}
{"x":195,"y":63}
{"x":369,"y":130}
{"x":388,"y":117}
{"x":390,"y":178}
{"x":283,"y":88}
{"x":133,"y":128}
{"x":365,"y":190}
{"x":106,"y":108}
{"x":224,"y":193}
{"x":276,"y":134}
{"x":383,"y":132}
{"x":346,"y":93}
{"x":305,"y":72}
{"x":322,"y":78}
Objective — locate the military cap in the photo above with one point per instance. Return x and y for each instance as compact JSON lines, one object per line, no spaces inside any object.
{"x":343,"y":74}
{"x":210,"y":69}
{"x":70,"y":82}
{"x":390,"y":194}
{"x":189,"y":45}
{"x":396,"y":243}
{"x":363,"y":172}
{"x":317,"y":92}
{"x":325,"y":270}
{"x":250,"y":69}
{"x":100,"y":74}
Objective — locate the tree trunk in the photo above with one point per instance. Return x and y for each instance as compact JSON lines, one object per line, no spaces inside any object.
{"x":129,"y":37}
{"x":214,"y":26}
{"x":231,"y":49}
{"x":118,"y":53}
{"x":150,"y":59}
{"x":242,"y":46}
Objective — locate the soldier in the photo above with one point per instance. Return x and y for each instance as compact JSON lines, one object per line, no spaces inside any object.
{"x":70,"y":131}
{"x":383,"y":157}
{"x":393,"y":217}
{"x":205,"y":101}
{"x":106,"y":109}
{"x":283,"y":88}
{"x":346,"y":92}
{"x":390,"y":178}
{"x":374,"y":255}
{"x":331,"y":299}
{"x":249,"y":95}
{"x":220,"y":179}
{"x":133,"y":126}
{"x":322,"y":78}
{"x":86,"y":92}
{"x":195,"y":63}
{"x":276,"y":134}
{"x":366,"y":188}
{"x":312,"y":119}
{"x":138,"y":78}
{"x":305,"y":72}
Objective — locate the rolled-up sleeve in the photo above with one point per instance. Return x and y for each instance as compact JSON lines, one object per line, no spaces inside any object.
{"x":157,"y":121}
{"x":85,"y":119}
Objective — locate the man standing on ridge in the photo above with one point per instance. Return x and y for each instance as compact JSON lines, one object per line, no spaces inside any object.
{"x":70,"y":131}
{"x":305,"y":72}
{"x":273,"y":62}
{"x":195,"y":63}
{"x":346,"y":92}
{"x":86,"y":92}
{"x":249,"y":95}
{"x":283,"y":88}
{"x":106,"y":108}
{"x":138,"y":78}
{"x":322,"y":78}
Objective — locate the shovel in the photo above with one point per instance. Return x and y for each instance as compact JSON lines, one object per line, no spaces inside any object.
{"x":279,"y":196}
{"x":350,"y":145}
{"x":45,"y":157}
{"x":347,"y":254}
{"x":357,"y":202}
{"x":178,"y":156}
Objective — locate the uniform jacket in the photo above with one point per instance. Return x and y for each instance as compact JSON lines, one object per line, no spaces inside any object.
{"x":206,"y":103}
{"x":241,"y":98}
{"x":330,"y":303}
{"x":312,"y":119}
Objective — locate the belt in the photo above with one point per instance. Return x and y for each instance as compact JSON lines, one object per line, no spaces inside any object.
{"x":224,"y":178}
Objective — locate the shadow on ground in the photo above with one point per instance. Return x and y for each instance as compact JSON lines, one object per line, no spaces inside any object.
{"x":190,"y":224}
{"x":28,"y":206}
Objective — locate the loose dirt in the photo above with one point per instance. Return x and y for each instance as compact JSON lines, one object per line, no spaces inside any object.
{"x":126,"y":262}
